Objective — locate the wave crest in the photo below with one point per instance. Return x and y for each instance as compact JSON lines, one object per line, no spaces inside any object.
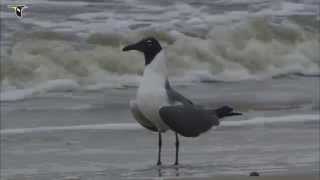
{"x":252,"y":49}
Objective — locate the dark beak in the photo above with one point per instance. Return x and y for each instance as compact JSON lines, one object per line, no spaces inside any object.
{"x":131,"y":47}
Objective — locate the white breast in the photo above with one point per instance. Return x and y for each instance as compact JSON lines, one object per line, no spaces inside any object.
{"x":152,"y":94}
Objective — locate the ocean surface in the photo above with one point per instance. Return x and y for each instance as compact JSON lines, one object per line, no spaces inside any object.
{"x":66,"y":85}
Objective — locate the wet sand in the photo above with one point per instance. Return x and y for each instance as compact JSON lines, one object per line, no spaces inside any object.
{"x":269,"y":177}
{"x":92,"y":135}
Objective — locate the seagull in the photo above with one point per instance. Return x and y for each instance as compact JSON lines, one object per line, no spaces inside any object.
{"x":158,"y":107}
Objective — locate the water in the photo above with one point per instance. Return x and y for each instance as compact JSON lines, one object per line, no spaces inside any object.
{"x":80,"y":41}
{"x":92,"y":135}
{"x":66,"y":84}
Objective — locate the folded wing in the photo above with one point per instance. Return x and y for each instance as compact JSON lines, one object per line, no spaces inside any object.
{"x":188,"y":120}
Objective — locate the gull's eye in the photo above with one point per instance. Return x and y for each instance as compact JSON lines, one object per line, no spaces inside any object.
{"x":149,"y":42}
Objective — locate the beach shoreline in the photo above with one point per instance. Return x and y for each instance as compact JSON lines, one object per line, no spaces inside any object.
{"x":95,"y":136}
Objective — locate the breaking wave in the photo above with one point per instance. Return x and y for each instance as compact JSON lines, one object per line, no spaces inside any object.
{"x":256,"y":48}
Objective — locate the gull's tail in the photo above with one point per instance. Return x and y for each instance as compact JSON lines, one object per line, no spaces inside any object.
{"x":225,"y":111}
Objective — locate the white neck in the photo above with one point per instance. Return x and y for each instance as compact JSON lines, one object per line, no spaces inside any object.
{"x":158,"y":65}
{"x":155,"y":73}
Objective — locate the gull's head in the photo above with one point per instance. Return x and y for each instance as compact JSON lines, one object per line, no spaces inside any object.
{"x":150,"y":47}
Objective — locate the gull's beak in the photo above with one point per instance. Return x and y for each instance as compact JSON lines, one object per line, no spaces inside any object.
{"x":131,"y":47}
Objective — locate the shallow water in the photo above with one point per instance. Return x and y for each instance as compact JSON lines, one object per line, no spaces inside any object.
{"x":92,"y":135}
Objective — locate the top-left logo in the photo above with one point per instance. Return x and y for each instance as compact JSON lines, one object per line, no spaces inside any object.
{"x":18,"y":9}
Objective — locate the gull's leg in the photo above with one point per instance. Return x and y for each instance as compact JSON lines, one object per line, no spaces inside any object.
{"x":177,"y":149}
{"x":159,"y":149}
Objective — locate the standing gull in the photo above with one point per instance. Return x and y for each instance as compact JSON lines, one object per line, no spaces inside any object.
{"x":158,"y":107}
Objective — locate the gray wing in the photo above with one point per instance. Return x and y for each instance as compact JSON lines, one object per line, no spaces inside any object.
{"x":188,"y":120}
{"x":174,"y":96}
{"x":141,"y":119}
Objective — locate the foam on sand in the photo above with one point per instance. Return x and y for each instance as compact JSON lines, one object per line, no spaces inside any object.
{"x":134,"y":126}
{"x":269,"y":120}
{"x":111,"y":126}
{"x":60,"y":85}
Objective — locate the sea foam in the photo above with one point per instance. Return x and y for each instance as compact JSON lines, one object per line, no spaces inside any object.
{"x":202,"y":46}
{"x":135,"y":126}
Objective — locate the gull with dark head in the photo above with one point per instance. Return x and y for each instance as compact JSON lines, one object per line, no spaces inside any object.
{"x":158,"y":107}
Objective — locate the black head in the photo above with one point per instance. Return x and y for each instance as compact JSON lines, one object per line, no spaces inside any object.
{"x":150,"y":47}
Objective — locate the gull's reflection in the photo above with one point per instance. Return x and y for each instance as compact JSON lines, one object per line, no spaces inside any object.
{"x":161,"y":170}
{"x":177,"y":170}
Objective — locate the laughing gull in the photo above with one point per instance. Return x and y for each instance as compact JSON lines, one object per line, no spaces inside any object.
{"x":158,"y":107}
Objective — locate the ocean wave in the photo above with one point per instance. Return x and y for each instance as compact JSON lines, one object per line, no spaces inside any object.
{"x":256,"y":48}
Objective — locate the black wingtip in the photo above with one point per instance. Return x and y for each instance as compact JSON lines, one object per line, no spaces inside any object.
{"x":226,"y":111}
{"x":235,"y":114}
